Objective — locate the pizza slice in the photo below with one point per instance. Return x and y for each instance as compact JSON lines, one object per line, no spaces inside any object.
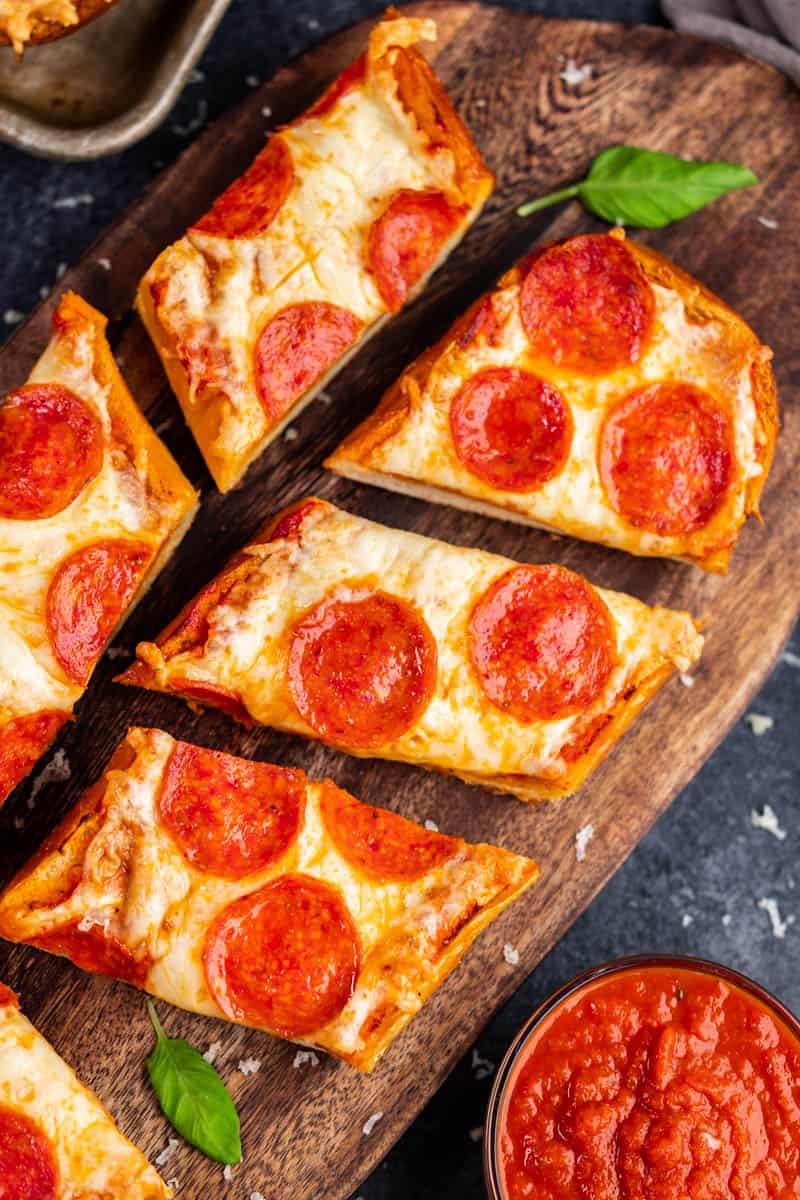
{"x":335,"y":226}
{"x":249,"y":892}
{"x":386,"y":643}
{"x":597,"y":391}
{"x":91,"y":506}
{"x":31,"y":22}
{"x":57,"y":1141}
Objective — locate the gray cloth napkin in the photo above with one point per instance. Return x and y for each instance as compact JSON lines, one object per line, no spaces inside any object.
{"x":766,"y":29}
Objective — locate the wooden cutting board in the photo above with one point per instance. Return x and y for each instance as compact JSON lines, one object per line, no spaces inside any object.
{"x":303,"y":1127}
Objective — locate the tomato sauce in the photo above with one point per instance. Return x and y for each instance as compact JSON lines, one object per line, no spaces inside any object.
{"x":653,"y":1083}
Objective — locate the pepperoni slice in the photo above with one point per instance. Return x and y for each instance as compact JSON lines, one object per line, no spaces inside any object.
{"x":296,"y":347}
{"x":666,"y":457}
{"x":229,"y":816}
{"x":251,"y":203}
{"x":362,"y":667}
{"x":28,"y":1169}
{"x":212,"y":695}
{"x":351,"y":78}
{"x":405,"y":241}
{"x":51,"y":446}
{"x":510,"y":428}
{"x":379,"y":842}
{"x":542,"y":643}
{"x":586,"y":305}
{"x":95,"y":950}
{"x":285,"y":957}
{"x":87,"y":596}
{"x":22,"y":742}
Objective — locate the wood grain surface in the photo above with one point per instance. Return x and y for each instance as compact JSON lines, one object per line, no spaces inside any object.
{"x":302,"y":1128}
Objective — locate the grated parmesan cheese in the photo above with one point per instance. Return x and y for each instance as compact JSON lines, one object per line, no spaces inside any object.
{"x":791,"y":660}
{"x":305,"y":1058}
{"x":249,"y":1066}
{"x":482,"y":1068}
{"x":573,"y":75}
{"x":105,"y":263}
{"x":767,"y":820}
{"x":210,"y":1055}
{"x":686,"y":680}
{"x":252,"y":80}
{"x":266,"y":111}
{"x":779,"y":925}
{"x":57,"y":771}
{"x":73,"y":202}
{"x":767,"y":222}
{"x":510,"y":954}
{"x":582,"y":839}
{"x":432,"y":826}
{"x":371,"y":1122}
{"x":12,"y":316}
{"x":759,"y":723}
{"x":227,"y":1173}
{"x":476,"y":1134}
{"x":686,"y":920}
{"x":290,"y":434}
{"x":167,"y":1153}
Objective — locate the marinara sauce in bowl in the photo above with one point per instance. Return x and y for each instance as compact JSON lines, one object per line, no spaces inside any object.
{"x":649,"y":1079}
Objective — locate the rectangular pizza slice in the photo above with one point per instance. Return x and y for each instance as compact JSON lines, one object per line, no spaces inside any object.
{"x":597,"y":391}
{"x":57,"y":1141}
{"x":249,"y":892}
{"x":91,"y":506}
{"x":335,"y":226}
{"x":386,"y":643}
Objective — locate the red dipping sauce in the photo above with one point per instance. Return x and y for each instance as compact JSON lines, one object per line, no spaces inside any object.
{"x":650,"y":1079}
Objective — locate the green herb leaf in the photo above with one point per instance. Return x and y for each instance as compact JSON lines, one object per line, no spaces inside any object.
{"x":628,"y":185}
{"x":192,"y":1096}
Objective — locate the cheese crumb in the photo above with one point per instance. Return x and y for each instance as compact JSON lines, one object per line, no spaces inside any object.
{"x":105,"y":263}
{"x":118,"y":652}
{"x":266,"y":111}
{"x":726,"y":920}
{"x":573,"y":75}
{"x":57,"y":771}
{"x":227,"y":1173}
{"x":432,"y":826}
{"x":767,"y":222}
{"x":257,"y":1196}
{"x":305,"y":1058}
{"x":166,"y":1154}
{"x":686,"y":680}
{"x":686,"y":920}
{"x":174,"y":1184}
{"x":249,"y":1066}
{"x":12,"y":316}
{"x":252,"y":80}
{"x":767,"y":820}
{"x":759,"y":723}
{"x":510,"y":954}
{"x":371,"y":1122}
{"x":476,"y":1134}
{"x":210,"y":1055}
{"x":73,"y":202}
{"x":582,"y":839}
{"x":482,"y":1067}
{"x":779,"y":925}
{"x":291,"y":434}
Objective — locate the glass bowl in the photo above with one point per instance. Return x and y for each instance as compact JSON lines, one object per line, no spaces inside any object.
{"x":614,"y":967}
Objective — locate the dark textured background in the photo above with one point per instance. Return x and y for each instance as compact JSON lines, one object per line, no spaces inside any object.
{"x":694,"y":884}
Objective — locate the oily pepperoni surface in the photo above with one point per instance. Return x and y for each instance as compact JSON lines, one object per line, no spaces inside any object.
{"x":96,"y":951}
{"x":586,"y":306}
{"x":405,"y":241}
{"x":541,"y":642}
{"x":298,"y":345}
{"x":249,"y":206}
{"x":51,"y":446}
{"x":379,"y":842}
{"x":28,"y":1169}
{"x":22,"y":742}
{"x":229,"y":816}
{"x":87,"y":596}
{"x":362,"y":667}
{"x":666,"y":457}
{"x":510,"y":428}
{"x":285,"y":957}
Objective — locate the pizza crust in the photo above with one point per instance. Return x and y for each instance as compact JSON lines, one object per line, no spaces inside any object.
{"x":363,"y":455}
{"x":412,"y":932}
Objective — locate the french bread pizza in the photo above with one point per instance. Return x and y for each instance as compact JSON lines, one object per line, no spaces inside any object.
{"x":598,"y":391}
{"x":31,"y":22}
{"x":57,"y":1141}
{"x":386,"y":643}
{"x":337,"y":224}
{"x":91,"y":506}
{"x":249,"y":892}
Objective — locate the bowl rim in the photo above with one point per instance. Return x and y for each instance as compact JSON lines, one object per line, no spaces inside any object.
{"x":613,"y":966}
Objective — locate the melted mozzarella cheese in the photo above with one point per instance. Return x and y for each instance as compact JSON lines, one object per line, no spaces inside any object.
{"x":113,"y":504}
{"x":92,"y":1156}
{"x":575,"y":500}
{"x":249,"y":635}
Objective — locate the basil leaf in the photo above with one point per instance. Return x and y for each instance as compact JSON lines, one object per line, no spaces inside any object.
{"x":192,"y":1096}
{"x":628,"y":185}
